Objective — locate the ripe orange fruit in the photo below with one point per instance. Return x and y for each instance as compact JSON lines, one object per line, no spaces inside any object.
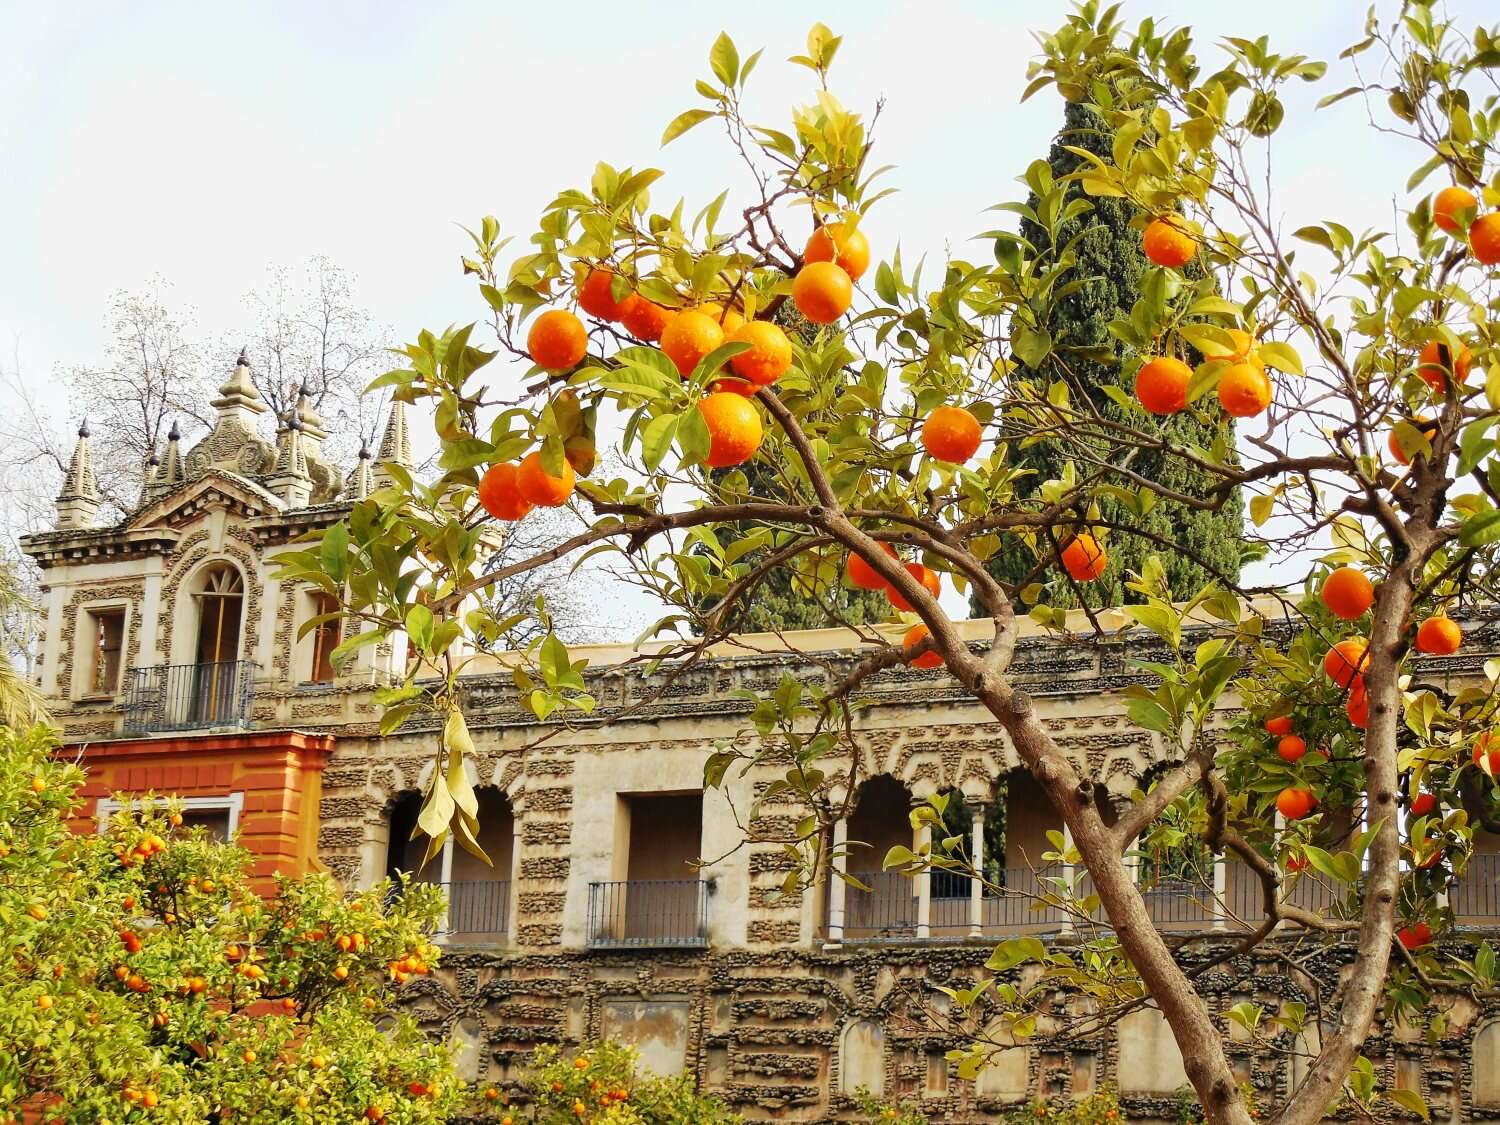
{"x":928,"y":578}
{"x":1291,"y":748}
{"x":863,"y":575}
{"x":1295,"y":803}
{"x":733,"y":387}
{"x":841,"y":244}
{"x":1446,"y":205}
{"x":1439,"y":636}
{"x":951,"y":434}
{"x":1484,"y":238}
{"x":1245,"y":350}
{"x":1083,"y":558}
{"x":822,"y":292}
{"x":1357,"y":705}
{"x":499,"y":495}
{"x":644,"y":319}
{"x":1414,"y":937}
{"x":915,"y":636}
{"x":1348,"y":593}
{"x":1423,"y":803}
{"x":596,"y":295}
{"x":535,"y":484}
{"x":1166,"y":242}
{"x":769,"y":356}
{"x":688,"y":337}
{"x":1346,"y":660}
{"x":1244,"y":390}
{"x":1437,"y":361}
{"x":1279,"y":725}
{"x":1428,"y":429}
{"x":731,"y":320}
{"x":734,"y":429}
{"x":1161,"y":385}
{"x":1487,"y":749}
{"x":557,"y":340}
{"x":44,"y":1002}
{"x":38,"y":784}
{"x":375,"y":1113}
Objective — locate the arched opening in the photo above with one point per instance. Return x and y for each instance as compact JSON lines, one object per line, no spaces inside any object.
{"x":220,"y":597}
{"x":478,"y":893}
{"x":1173,"y":866}
{"x":880,"y":821}
{"x":1016,"y":843}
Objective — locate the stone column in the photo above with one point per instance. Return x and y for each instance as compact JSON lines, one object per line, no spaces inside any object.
{"x":976,"y":885}
{"x":1066,"y":925}
{"x":924,"y":884}
{"x":836,"y":887}
{"x":445,"y":877}
{"x":513,"y":908}
{"x":1221,"y":887}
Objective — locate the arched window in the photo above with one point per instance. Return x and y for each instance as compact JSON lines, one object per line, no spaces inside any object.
{"x":220,"y":595}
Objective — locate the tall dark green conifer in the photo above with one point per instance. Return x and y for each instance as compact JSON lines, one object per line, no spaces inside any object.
{"x":1111,"y":264}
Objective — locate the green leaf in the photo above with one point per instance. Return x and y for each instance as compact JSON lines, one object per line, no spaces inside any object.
{"x":1151,"y":715}
{"x":693,"y":438}
{"x":1280,"y":355}
{"x":419,"y":626}
{"x":334,"y":551}
{"x":1030,"y":345}
{"x":685,"y":121}
{"x":657,"y":438}
{"x":1160,"y":619}
{"x":1017,"y":951}
{"x":555,"y":660}
{"x":1411,"y":1101}
{"x":724,"y":59}
{"x":1480,"y":530}
{"x":1261,"y":507}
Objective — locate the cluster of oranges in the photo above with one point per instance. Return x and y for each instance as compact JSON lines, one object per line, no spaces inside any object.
{"x":150,"y":844}
{"x":1449,"y":209}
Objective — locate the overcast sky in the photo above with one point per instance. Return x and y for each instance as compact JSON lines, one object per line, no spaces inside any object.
{"x":205,"y":142}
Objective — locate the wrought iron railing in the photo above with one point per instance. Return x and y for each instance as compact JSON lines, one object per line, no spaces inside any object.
{"x":887,"y":911}
{"x":478,"y":911}
{"x":189,"y":696}
{"x":1475,"y":895}
{"x":634,"y":913}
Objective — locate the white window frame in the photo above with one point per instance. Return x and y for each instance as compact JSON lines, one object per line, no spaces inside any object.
{"x":233,"y":803}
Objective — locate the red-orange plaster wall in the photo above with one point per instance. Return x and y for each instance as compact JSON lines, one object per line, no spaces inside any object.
{"x":279,"y":774}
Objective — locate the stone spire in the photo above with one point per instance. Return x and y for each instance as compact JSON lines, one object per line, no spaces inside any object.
{"x":289,"y":479}
{"x":313,"y":432}
{"x":78,"y":502}
{"x":395,"y":446}
{"x":238,"y":399}
{"x":170,"y":474}
{"x":148,"y":477}
{"x":233,"y":445}
{"x":361,"y":481}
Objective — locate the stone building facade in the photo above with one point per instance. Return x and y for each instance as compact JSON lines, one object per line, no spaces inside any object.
{"x":172,"y":660}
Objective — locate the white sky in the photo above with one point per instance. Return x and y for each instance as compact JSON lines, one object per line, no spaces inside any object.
{"x":204,"y":142}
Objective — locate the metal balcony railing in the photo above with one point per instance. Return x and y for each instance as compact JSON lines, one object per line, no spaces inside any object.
{"x":478,"y":911}
{"x":637,"y":913}
{"x":171,"y":697}
{"x":887,"y":911}
{"x":1475,"y":895}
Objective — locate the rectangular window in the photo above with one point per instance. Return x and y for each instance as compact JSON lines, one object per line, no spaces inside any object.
{"x":109,"y":642}
{"x":326,"y":638}
{"x":220,"y":815}
{"x":215,"y":820}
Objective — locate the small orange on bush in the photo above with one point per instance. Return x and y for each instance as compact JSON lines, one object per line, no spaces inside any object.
{"x":643,"y":319}
{"x":915,"y":636}
{"x":1357,"y":705}
{"x":1484,"y":239}
{"x":951,"y":434}
{"x":1291,"y":748}
{"x":1346,"y":660}
{"x":730,"y":319}
{"x":1161,"y":385}
{"x":540,"y":487}
{"x":769,"y":356}
{"x":822,"y":292}
{"x":841,"y":244}
{"x":1347,"y":593}
{"x":1428,"y":429}
{"x":734,"y":429}
{"x":1437,"y":360}
{"x":499,"y":493}
{"x":1446,"y":205}
{"x":596,"y":295}
{"x":863,"y":575}
{"x":1166,"y":242}
{"x":1083,"y":558}
{"x":1439,"y":636}
{"x":1279,"y":725}
{"x":557,"y":340}
{"x":688,"y":337}
{"x":1294,"y":803}
{"x":1244,"y":390}
{"x":928,"y":578}
{"x":1423,"y":803}
{"x":1487,"y":749}
{"x":1414,"y":937}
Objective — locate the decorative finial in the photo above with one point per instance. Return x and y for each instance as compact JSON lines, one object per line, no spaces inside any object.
{"x":292,"y":423}
{"x":174,"y":434}
{"x":83,"y":427}
{"x":364,"y":451}
{"x":244,"y":360}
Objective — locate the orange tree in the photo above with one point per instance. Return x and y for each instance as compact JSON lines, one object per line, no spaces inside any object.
{"x":142,"y":979}
{"x":883,"y":447}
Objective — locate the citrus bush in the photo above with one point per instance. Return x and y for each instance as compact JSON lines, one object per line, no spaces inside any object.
{"x":881,"y":450}
{"x":142,"y":979}
{"x":599,"y":1084}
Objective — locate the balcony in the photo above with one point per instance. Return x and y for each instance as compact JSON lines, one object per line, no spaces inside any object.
{"x":478,"y":912}
{"x":170,"y":697}
{"x":649,"y":914}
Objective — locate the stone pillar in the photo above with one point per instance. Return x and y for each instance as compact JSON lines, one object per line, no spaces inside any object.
{"x":1221,"y":887}
{"x":445,"y":877}
{"x":838,"y":861}
{"x":924,"y":884}
{"x":1066,"y":925}
{"x":512,"y":926}
{"x":976,"y":885}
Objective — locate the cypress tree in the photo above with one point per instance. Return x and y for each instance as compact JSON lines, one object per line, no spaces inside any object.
{"x":1111,"y":265}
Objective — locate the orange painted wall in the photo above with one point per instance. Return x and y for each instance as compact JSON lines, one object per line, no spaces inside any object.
{"x":280,"y":774}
